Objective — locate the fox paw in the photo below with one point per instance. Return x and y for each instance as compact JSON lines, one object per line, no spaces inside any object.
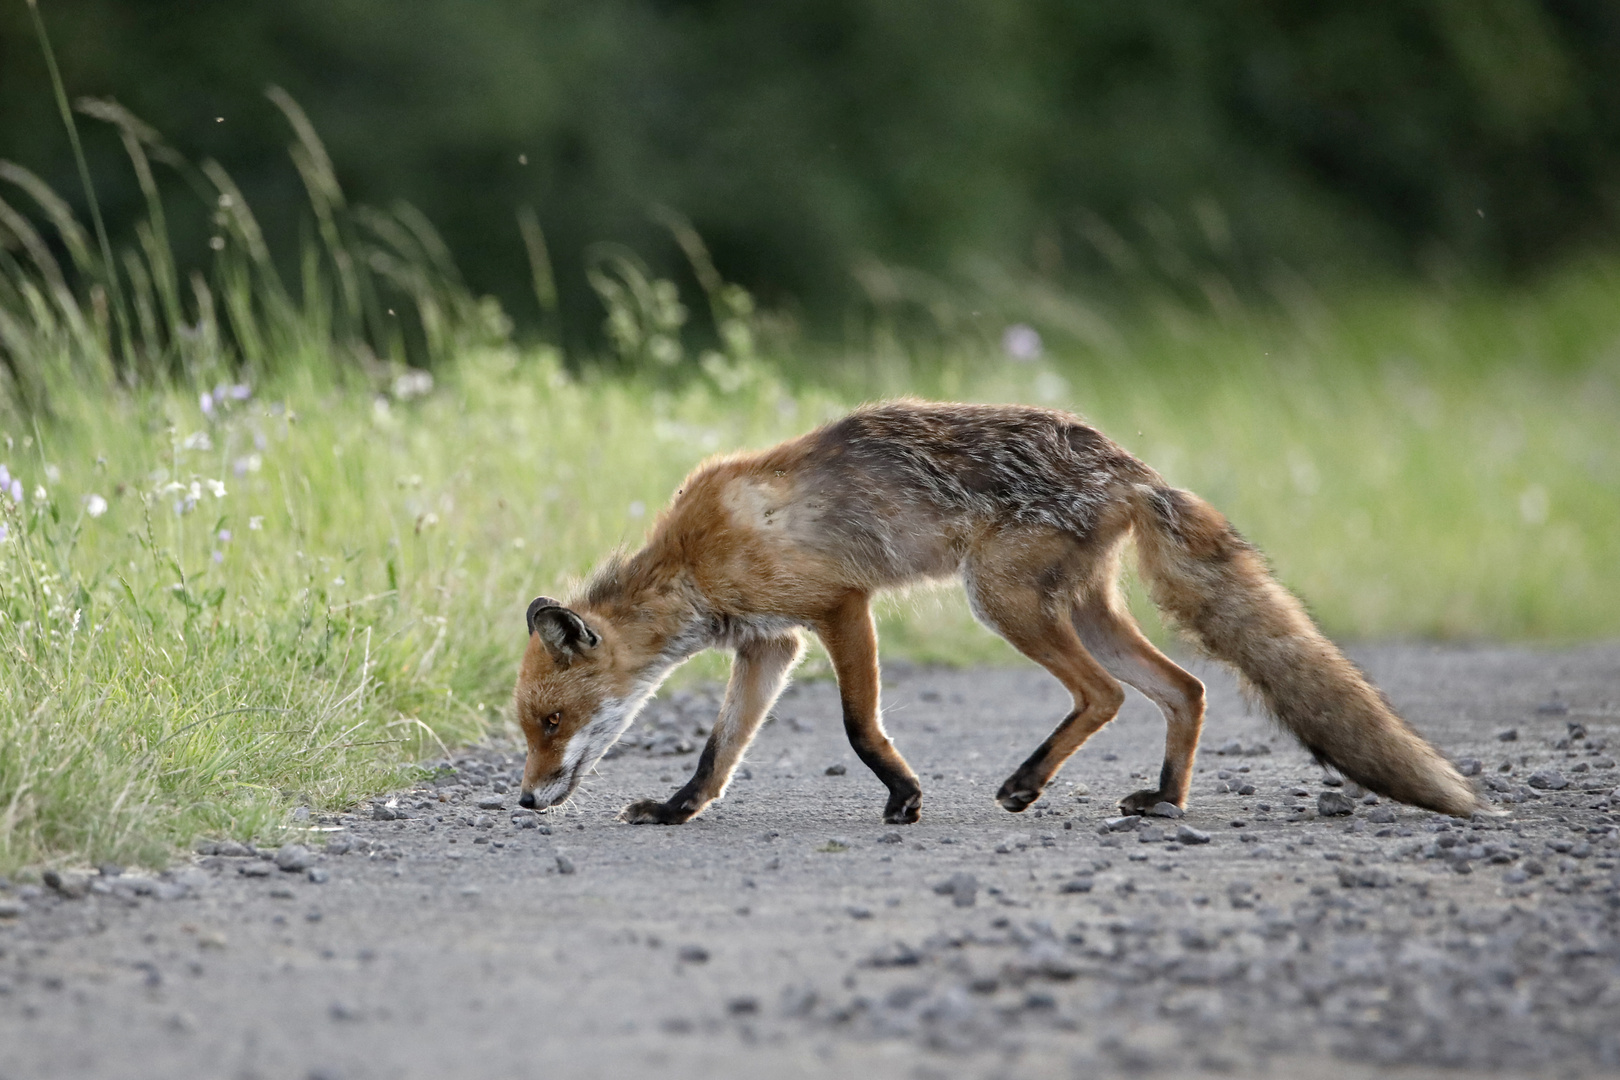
{"x":903,"y":809}
{"x":1016,"y":798}
{"x":1140,"y":802}
{"x":653,"y":812}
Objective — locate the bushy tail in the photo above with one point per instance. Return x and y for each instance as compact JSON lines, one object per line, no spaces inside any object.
{"x":1217,"y":589}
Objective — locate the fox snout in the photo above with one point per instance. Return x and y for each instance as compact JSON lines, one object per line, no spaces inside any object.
{"x":526,"y":800}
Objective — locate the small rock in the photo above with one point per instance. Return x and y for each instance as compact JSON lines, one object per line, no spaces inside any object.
{"x":491,"y":802}
{"x":1123,"y":823}
{"x":1364,"y":877}
{"x":743,"y":1006}
{"x":891,"y":838}
{"x":67,"y":882}
{"x":836,"y":770}
{"x":1469,"y":766}
{"x":1079,"y":791}
{"x":317,"y":875}
{"x":1246,"y":789}
{"x":1510,"y":735}
{"x":294,"y":858}
{"x":110,"y":869}
{"x":1186,"y":834}
{"x":1165,"y":810}
{"x":383,"y":813}
{"x":858,"y":912}
{"x":231,"y":849}
{"x":1548,"y":780}
{"x":1334,"y":804}
{"x":483,"y":821}
{"x":1381,"y":815}
{"x":11,"y":909}
{"x":1232,"y":748}
{"x":258,"y":868}
{"x":693,"y":954}
{"x":565,"y":865}
{"x":963,"y":887}
{"x":1553,"y":707}
{"x":1082,"y":884}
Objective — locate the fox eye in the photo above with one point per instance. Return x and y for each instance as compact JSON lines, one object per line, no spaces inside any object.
{"x":549,"y":724}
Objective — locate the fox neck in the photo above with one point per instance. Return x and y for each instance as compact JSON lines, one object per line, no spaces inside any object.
{"x":658,"y":625}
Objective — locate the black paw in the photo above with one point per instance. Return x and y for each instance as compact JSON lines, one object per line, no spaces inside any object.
{"x":1017,"y":794}
{"x":1140,"y":802}
{"x":905,"y":808}
{"x":653,"y":812}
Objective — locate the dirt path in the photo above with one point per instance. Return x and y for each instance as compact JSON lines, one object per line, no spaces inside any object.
{"x":788,"y":932}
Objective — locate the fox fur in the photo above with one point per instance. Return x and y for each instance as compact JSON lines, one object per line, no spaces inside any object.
{"x":1030,"y":508}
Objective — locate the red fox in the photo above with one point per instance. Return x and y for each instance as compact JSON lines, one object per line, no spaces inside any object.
{"x":1030,"y":508}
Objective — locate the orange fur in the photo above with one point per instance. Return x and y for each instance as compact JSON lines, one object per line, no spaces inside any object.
{"x":1030,"y":508}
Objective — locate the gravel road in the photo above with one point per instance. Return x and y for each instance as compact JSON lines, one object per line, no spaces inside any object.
{"x":788,"y":932}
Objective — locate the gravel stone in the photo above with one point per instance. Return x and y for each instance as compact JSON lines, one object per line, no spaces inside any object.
{"x":1334,"y":804}
{"x":1381,"y":815}
{"x":257,"y":868}
{"x":962,"y":887}
{"x":565,"y":865}
{"x":693,"y":954}
{"x":1166,"y":810}
{"x":12,"y":909}
{"x":1186,"y":834}
{"x":294,"y":858}
{"x":836,"y":770}
{"x":317,"y":875}
{"x":69,"y":883}
{"x":491,"y":802}
{"x":1548,"y":780}
{"x":1123,"y":823}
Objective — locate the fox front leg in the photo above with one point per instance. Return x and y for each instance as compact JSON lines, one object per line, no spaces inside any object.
{"x":757,"y":676}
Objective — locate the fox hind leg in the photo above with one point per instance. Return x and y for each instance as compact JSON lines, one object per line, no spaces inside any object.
{"x":1118,"y":645}
{"x":1021,"y":604}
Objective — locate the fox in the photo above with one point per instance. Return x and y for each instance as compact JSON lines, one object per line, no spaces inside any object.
{"x":1030,"y":508}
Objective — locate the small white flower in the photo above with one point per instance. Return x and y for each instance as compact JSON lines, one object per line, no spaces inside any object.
{"x":5,"y":477}
{"x":5,"y":532}
{"x":413,"y":383}
{"x":216,"y":488}
{"x":197,"y":440}
{"x":52,"y":474}
{"x":249,"y":464}
{"x":95,"y":505}
{"x":255,"y":523}
{"x":1021,"y":341}
{"x":638,"y":509}
{"x":40,"y":494}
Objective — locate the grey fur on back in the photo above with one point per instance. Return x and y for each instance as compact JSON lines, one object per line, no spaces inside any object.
{"x":1013,"y":464}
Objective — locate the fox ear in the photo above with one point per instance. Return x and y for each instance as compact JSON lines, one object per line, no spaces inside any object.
{"x":562,"y":631}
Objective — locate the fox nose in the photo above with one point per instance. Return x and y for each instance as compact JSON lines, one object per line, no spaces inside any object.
{"x":526,"y":800}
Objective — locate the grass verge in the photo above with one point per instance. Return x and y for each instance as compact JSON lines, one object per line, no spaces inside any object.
{"x":214,"y":610}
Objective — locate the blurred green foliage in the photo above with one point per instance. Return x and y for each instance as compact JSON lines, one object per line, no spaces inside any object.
{"x":1204,"y":146}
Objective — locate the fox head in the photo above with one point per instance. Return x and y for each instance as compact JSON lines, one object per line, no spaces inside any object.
{"x":572,"y":700}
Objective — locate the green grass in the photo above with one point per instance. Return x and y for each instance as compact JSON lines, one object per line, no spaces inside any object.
{"x":209,"y":615}
{"x":159,"y":680}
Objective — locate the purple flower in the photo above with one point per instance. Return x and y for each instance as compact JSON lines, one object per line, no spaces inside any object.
{"x":206,"y":403}
{"x":15,"y":490}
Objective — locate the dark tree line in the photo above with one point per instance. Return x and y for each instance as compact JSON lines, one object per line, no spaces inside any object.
{"x":1086,"y":141}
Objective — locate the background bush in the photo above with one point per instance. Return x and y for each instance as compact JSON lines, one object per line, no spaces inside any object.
{"x":1206,"y":145}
